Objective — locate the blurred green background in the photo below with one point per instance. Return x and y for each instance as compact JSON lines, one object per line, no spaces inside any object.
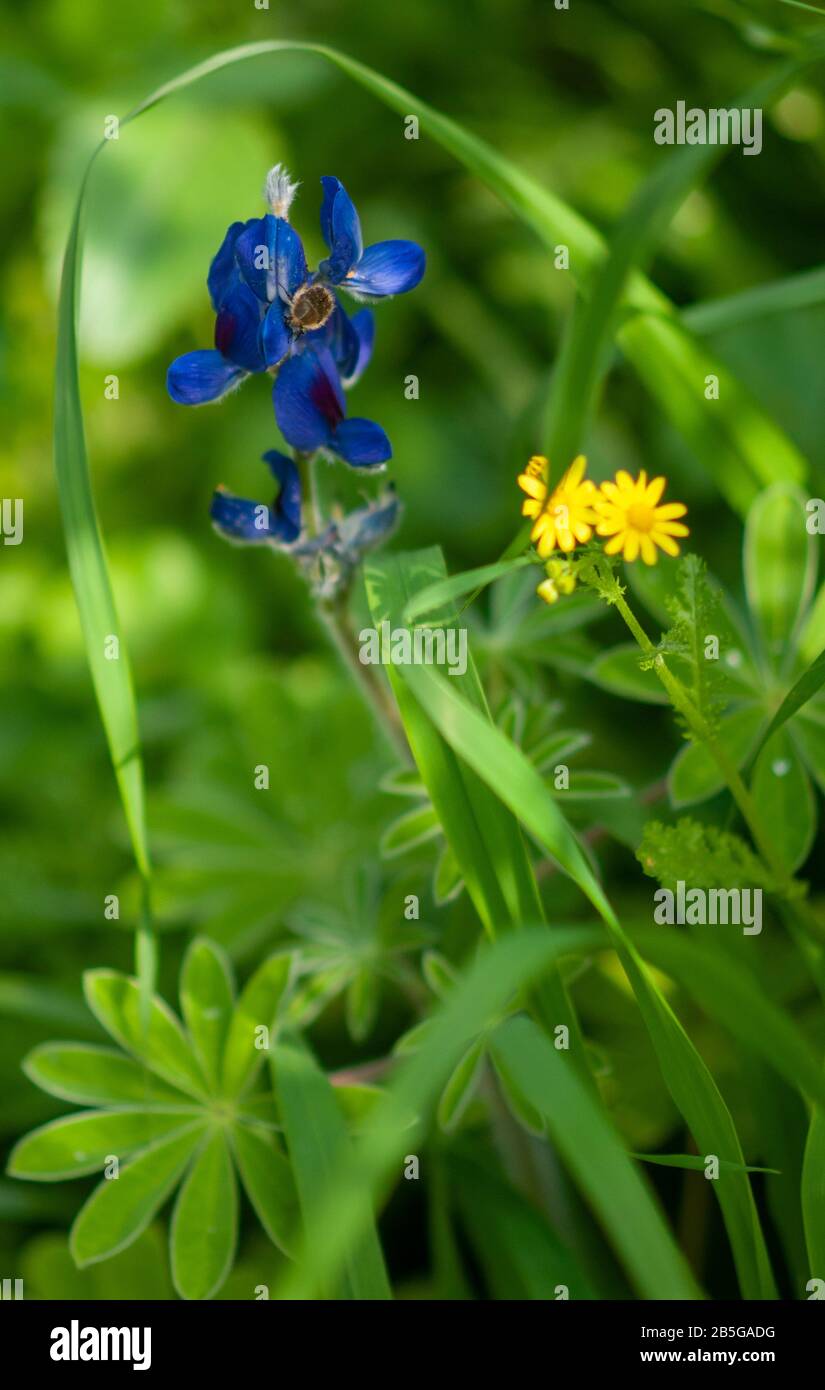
{"x":230,"y":666}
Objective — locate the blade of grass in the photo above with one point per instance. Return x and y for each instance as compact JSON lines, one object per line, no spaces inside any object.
{"x":511,"y":777}
{"x":507,"y":967}
{"x":786,"y":296}
{"x":317,"y":1140}
{"x":592,"y":327}
{"x":485,"y":837}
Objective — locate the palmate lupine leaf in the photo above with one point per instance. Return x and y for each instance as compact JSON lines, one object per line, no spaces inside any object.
{"x":179,"y":1108}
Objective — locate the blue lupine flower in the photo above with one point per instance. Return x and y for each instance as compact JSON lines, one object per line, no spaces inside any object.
{"x":311,"y":412}
{"x":388,"y":267}
{"x":242,"y":521}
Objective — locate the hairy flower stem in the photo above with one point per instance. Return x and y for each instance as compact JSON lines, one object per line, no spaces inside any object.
{"x":796,"y":913}
{"x":336,"y":621}
{"x":333,"y":613}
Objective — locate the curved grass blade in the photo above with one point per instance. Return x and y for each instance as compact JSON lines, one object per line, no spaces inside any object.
{"x":813,"y":1194}
{"x":507,"y":967}
{"x":317,"y":1139}
{"x":593,"y":324}
{"x":445,"y":591}
{"x":595,"y":1156}
{"x":785,"y":296}
{"x":512,"y":778}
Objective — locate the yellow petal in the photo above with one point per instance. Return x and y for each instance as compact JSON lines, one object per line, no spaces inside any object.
{"x":609,"y":526}
{"x":534,"y":487}
{"x":614,"y":546}
{"x":648,"y":550}
{"x":624,"y":481}
{"x":665,"y":543}
{"x":547,"y":544}
{"x":670,"y":511}
{"x":669,"y":528}
{"x":631,"y":546}
{"x":654,"y":491}
{"x":530,"y":507}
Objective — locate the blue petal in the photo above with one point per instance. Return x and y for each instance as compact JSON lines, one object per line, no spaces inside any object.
{"x":309,"y":402}
{"x":361,"y":443}
{"x":388,"y":267}
{"x":271,"y":258}
{"x":276,"y":338}
{"x":223,"y":272}
{"x":238,"y":519}
{"x":202,"y":376}
{"x":363,"y":324}
{"x":341,"y":230}
{"x":237,"y":329}
{"x":288,"y":505}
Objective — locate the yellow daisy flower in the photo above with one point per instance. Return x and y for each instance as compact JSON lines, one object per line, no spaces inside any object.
{"x":563,"y":517}
{"x":628,"y":512}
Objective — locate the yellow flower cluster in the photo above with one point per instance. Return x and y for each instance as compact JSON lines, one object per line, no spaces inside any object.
{"x":626,"y":511}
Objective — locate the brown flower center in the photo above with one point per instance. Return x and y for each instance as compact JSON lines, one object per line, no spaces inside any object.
{"x":311,"y":307}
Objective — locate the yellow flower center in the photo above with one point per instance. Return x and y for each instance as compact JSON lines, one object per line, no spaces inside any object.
{"x":640,"y":517}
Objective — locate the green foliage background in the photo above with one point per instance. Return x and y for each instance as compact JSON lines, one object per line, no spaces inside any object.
{"x":230,"y":665}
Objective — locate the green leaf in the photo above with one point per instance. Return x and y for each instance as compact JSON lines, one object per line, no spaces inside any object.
{"x":444,"y":592}
{"x":593,"y":786}
{"x":158,"y":1040}
{"x":206,"y":998}
{"x":409,"y":831}
{"x":120,"y":1208}
{"x":461,"y":1086}
{"x":318,"y":1144}
{"x":90,"y":1075}
{"x":505,"y":768}
{"x":267,"y":1179}
{"x":810,"y":735}
{"x":76,"y":1145}
{"x":736,"y":1001}
{"x":618,"y":671}
{"x":813,"y":1194}
{"x":694,"y":775}
{"x":593,"y":1154}
{"x":361,"y":1004}
{"x":780,"y":566}
{"x":784,"y":296}
{"x":447,"y":879}
{"x":521,"y":1256}
{"x":809,"y":683}
{"x":784,"y":799}
{"x":717,"y":858}
{"x":695,"y":1163}
{"x":204,"y":1226}
{"x":483,"y":835}
{"x":257,"y":1008}
{"x":403,"y":781}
